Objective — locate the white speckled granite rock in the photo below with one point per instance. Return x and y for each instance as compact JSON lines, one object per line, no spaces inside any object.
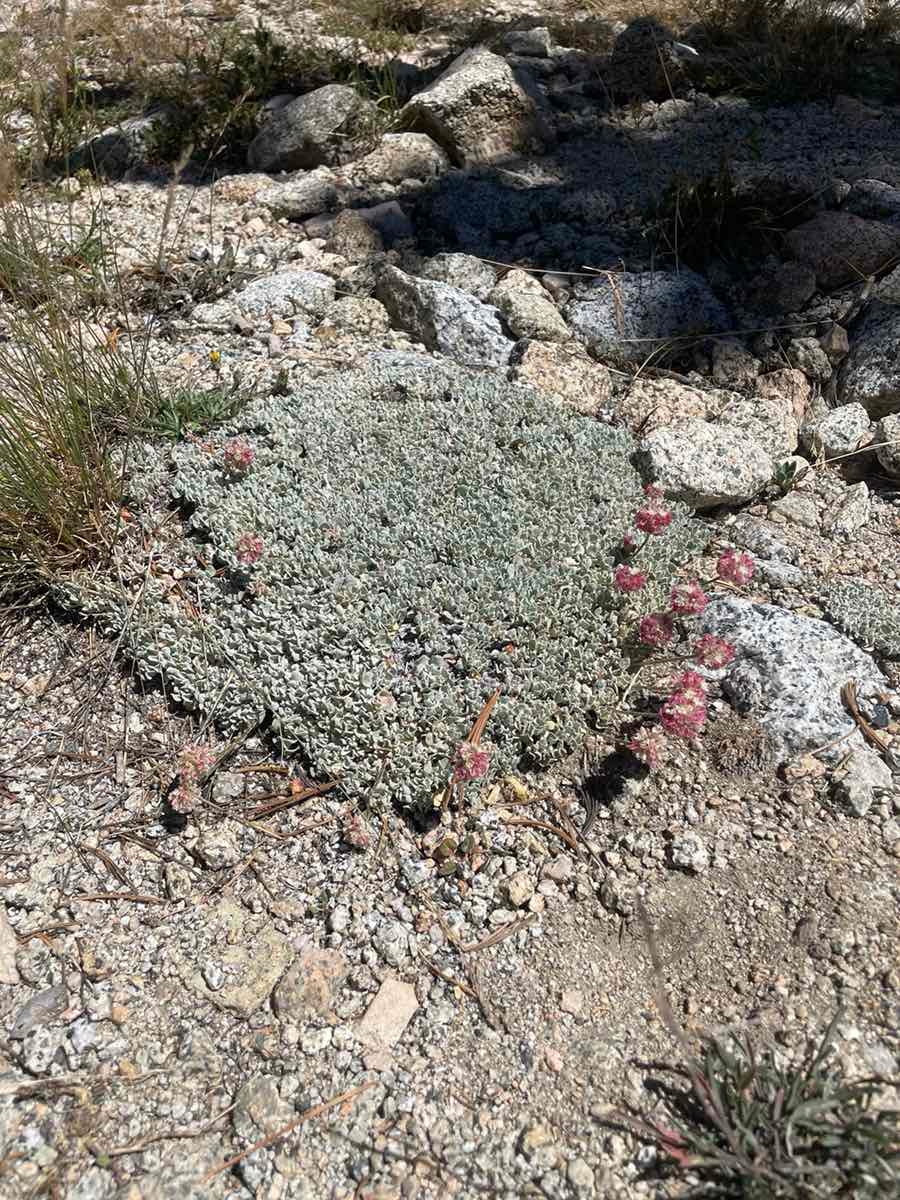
{"x":788,"y":674}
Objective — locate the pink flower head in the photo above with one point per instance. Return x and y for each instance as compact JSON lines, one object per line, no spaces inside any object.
{"x":652,"y":520}
{"x":691,"y":684}
{"x":714,"y":652}
{"x":629,"y":543}
{"x":687,"y":599}
{"x":653,"y":517}
{"x":193,"y":764}
{"x":194,"y":761}
{"x":648,"y":745}
{"x":656,"y":630}
{"x":683,"y":714}
{"x":629,"y":579}
{"x":469,"y":762}
{"x":736,"y":567}
{"x":237,"y":456}
{"x":248,"y":549}
{"x":354,"y":831}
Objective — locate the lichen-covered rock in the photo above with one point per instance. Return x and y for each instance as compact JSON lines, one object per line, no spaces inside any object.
{"x":839,"y":431}
{"x":870,"y":375}
{"x":655,"y":403}
{"x":463,"y":271}
{"x":122,"y":147}
{"x":843,"y":248}
{"x":862,"y":779}
{"x":400,"y":156}
{"x":788,"y":674}
{"x":704,"y":464}
{"x":445,"y":318}
{"x":353,"y":237}
{"x":632,"y":316}
{"x":564,"y":372}
{"x":477,"y":110}
{"x":887,"y":443}
{"x":427,"y":535}
{"x":358,"y":315}
{"x":768,"y":420}
{"x":788,"y":383}
{"x":306,"y":195}
{"x":531,"y":315}
{"x":332,"y":125}
{"x":286,"y":294}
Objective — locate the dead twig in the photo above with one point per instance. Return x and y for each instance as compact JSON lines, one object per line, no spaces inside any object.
{"x":307,"y":1115}
{"x":501,"y":934}
{"x":170,"y":1135}
{"x":457,"y":983}
{"x":547,"y":827}
{"x":131,"y":897}
{"x":848,"y":695}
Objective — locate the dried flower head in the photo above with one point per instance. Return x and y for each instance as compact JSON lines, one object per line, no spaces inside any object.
{"x":469,"y":762}
{"x":629,"y":579}
{"x":713,"y":652}
{"x":735,"y":567}
{"x":649,"y":745}
{"x":683,"y":714}
{"x":248,"y":549}
{"x":354,"y":831}
{"x":237,"y":456}
{"x":193,"y":763}
{"x":688,"y":599}
{"x":656,"y":630}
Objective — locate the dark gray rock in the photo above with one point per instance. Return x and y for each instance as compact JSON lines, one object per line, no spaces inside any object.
{"x":843,"y":248}
{"x":123,"y":147}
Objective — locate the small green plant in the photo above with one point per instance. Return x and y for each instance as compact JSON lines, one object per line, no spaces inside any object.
{"x":744,"y":1122}
{"x":215,"y":97}
{"x":751,"y":1127}
{"x":189,"y":412}
{"x":36,"y":253}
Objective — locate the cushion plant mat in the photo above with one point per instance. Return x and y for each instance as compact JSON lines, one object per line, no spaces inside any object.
{"x":426,"y":535}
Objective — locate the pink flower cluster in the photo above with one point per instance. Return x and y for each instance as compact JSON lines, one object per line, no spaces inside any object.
{"x":653,"y":517}
{"x":735,"y":567}
{"x":469,"y":762}
{"x":683,"y":713}
{"x":193,"y":763}
{"x":248,"y":549}
{"x":237,"y":456}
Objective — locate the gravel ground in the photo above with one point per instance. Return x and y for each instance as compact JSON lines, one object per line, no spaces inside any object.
{"x":183,"y":992}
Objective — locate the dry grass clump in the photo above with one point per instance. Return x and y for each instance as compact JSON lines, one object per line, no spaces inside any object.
{"x":787,"y":51}
{"x":67,"y":394}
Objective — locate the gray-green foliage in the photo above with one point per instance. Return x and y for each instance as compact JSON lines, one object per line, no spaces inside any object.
{"x":866,"y":613}
{"x":430,"y":535}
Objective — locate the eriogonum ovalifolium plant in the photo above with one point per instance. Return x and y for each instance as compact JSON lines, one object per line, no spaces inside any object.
{"x":403,"y":541}
{"x":684,"y":711}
